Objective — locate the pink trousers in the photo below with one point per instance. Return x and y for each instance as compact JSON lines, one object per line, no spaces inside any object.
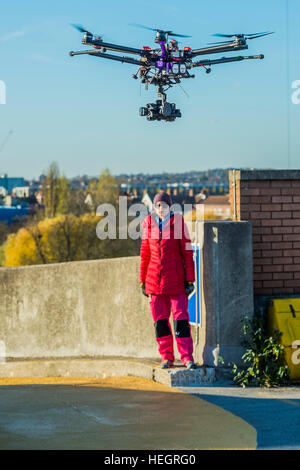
{"x":161,"y":307}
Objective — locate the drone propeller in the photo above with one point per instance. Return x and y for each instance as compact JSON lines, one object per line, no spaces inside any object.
{"x":244,"y":36}
{"x":170,"y":33}
{"x":239,"y":36}
{"x":80,"y":28}
{"x":259,"y":35}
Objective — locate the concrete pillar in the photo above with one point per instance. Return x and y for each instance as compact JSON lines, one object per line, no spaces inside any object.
{"x":227,"y":292}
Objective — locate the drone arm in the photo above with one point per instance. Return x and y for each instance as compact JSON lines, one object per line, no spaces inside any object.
{"x":218,"y":49}
{"x":225,"y":60}
{"x":112,"y":47}
{"x":128,"y":60}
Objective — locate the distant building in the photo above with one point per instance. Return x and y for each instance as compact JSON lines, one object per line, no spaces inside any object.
{"x":23,"y":191}
{"x":210,"y":207}
{"x":147,"y":202}
{"x":39,"y":197}
{"x":9,"y":183}
{"x":3,"y":191}
{"x":88,"y":200}
{"x":217,"y":205}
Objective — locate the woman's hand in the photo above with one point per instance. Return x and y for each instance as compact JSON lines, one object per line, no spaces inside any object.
{"x":142,"y":284}
{"x":189,"y":288}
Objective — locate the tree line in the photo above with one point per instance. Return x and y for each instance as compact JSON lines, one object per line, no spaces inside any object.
{"x":64,"y":229}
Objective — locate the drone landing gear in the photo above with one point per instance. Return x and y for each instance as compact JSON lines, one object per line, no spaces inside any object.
{"x":161,"y":110}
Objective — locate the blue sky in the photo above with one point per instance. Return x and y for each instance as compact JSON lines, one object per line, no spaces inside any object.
{"x":83,"y":112}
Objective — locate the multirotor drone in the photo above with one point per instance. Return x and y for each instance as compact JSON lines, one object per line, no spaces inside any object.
{"x":166,"y":65}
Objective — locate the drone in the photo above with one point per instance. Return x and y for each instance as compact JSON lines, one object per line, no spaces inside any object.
{"x":166,"y":64}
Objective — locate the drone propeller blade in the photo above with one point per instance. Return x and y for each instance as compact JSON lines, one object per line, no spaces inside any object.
{"x":245,"y":36}
{"x":137,"y":25}
{"x":170,"y":33}
{"x":224,"y":35}
{"x":80,"y":28}
{"x":255,"y":34}
{"x":260,"y":35}
{"x":178,"y":35}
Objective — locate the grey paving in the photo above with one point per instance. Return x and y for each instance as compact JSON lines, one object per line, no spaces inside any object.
{"x":85,"y":417}
{"x":209,"y":414}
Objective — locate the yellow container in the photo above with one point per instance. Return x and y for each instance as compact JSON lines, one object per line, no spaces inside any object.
{"x":284,"y":315}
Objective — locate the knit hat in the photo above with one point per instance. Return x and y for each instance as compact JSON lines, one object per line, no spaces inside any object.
{"x":164,"y":197}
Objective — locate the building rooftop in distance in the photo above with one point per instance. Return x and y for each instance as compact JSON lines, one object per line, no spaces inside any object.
{"x":217,"y":200}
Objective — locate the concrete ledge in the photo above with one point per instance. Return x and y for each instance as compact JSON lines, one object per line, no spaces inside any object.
{"x":98,"y":368}
{"x":181,"y":377}
{"x":102,"y":368}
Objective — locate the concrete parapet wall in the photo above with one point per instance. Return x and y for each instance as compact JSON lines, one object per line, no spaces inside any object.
{"x":85,"y":308}
{"x":95,"y":308}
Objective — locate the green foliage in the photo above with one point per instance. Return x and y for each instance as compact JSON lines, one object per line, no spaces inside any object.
{"x":61,"y":239}
{"x":264,"y":361}
{"x":64,"y":196}
{"x":56,"y":193}
{"x":105,"y":190}
{"x":66,"y":229}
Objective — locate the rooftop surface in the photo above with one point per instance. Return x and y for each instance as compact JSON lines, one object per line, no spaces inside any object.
{"x":137,"y":413}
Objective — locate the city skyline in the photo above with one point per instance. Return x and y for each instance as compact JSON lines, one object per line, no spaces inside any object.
{"x":187,"y":174}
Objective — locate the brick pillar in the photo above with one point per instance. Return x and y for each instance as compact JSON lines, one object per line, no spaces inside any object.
{"x":270,"y":199}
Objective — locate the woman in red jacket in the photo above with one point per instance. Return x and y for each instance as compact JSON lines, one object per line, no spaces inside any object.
{"x":167,"y":275}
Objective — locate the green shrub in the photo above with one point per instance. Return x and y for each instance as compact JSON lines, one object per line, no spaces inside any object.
{"x":264,"y":361}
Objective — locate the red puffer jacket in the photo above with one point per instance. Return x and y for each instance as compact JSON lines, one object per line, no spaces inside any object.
{"x":166,"y":260}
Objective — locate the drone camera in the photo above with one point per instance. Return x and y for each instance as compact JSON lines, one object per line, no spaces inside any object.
{"x":160,"y":111}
